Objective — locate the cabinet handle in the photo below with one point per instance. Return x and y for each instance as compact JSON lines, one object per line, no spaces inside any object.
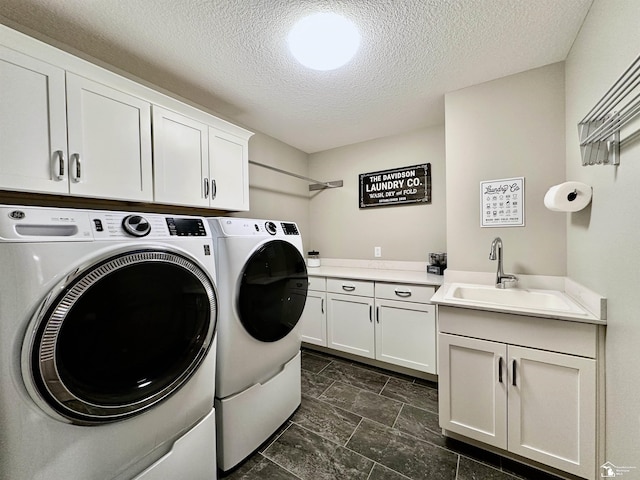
{"x":214,"y":189}
{"x":513,"y":371}
{"x":348,"y":288}
{"x":206,"y":188}
{"x":58,"y":165}
{"x":76,"y":169}
{"x":322,"y":305}
{"x":370,"y":313}
{"x":377,"y":314}
{"x":403,"y":293}
{"x":500,"y":369}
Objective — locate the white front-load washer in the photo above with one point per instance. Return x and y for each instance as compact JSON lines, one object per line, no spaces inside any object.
{"x":262,"y":286}
{"x":108,"y":327}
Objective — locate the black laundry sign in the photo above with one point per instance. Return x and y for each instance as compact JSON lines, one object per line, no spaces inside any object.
{"x":398,"y":186}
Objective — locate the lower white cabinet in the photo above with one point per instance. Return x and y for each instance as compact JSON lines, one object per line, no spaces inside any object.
{"x":313,"y":321}
{"x":406,"y":334}
{"x":350,"y":326}
{"x":388,"y":322}
{"x":532,"y":402}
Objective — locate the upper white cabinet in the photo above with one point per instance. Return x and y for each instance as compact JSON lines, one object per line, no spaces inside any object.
{"x":181,"y":159}
{"x":33,"y":125}
{"x":228,"y":171}
{"x":198,"y":165}
{"x":70,"y":127}
{"x":109,"y":142}
{"x":62,"y":133}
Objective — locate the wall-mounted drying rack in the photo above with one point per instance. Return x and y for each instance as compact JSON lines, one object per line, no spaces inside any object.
{"x":599,"y":130}
{"x":316,"y":185}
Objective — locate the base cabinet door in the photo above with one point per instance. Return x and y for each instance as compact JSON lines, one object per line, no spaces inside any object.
{"x":552,"y":409}
{"x":404,"y":331}
{"x":313,"y":321}
{"x":350,"y":324}
{"x":33,"y":125}
{"x":534,"y":403}
{"x":472,"y":388}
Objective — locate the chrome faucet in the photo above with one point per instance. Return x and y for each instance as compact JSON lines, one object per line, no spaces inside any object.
{"x":503,"y":280}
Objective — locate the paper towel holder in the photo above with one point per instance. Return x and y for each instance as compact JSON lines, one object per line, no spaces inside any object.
{"x":569,"y":196}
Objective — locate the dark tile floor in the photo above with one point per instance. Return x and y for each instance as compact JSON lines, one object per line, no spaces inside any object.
{"x":360,"y":422}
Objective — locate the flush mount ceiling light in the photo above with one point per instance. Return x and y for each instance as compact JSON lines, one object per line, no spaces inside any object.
{"x":324,"y":41}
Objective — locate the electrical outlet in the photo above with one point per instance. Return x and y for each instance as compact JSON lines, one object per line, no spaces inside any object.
{"x":377,"y":252}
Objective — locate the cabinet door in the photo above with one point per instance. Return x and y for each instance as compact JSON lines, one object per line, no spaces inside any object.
{"x":350,"y":324}
{"x":313,"y":321}
{"x":472,"y":388}
{"x":181,"y":159}
{"x":406,"y":334}
{"x":228,"y":165}
{"x":33,"y":125}
{"x":109,"y":142}
{"x":552,"y":411}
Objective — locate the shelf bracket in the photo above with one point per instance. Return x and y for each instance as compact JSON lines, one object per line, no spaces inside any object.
{"x":316,"y":185}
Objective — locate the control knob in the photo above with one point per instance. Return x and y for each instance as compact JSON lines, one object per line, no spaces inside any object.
{"x":271,"y":228}
{"x":136,"y":225}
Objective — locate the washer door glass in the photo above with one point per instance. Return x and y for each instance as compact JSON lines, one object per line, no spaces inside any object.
{"x":123,"y":335}
{"x":273,"y":291}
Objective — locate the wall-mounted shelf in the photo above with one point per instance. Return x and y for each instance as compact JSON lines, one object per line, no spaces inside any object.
{"x":316,"y":185}
{"x":599,"y":130}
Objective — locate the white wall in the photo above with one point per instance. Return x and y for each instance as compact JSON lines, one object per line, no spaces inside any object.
{"x":604,"y":240}
{"x":340,"y":229}
{"x":273,"y":195}
{"x":510,"y":127}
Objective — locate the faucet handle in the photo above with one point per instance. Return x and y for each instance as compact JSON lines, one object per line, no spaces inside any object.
{"x":507,"y":281}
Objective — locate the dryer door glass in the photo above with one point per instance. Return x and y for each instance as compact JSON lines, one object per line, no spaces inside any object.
{"x":273,"y":291}
{"x":124,"y":334}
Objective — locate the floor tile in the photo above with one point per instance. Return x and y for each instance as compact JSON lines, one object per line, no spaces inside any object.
{"x":274,"y":436}
{"x":314,"y":385}
{"x":312,"y":457}
{"x":478,"y":454}
{"x":313,"y":363}
{"x":362,"y":402}
{"x":412,"y":393}
{"x":328,"y":421}
{"x":419,"y":423}
{"x":259,"y":468}
{"x":381,"y":472}
{"x":356,"y":376}
{"x":471,"y":470}
{"x":403,"y":453}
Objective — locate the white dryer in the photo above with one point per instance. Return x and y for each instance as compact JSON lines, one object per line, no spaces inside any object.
{"x":262,"y":285}
{"x":107,"y":345}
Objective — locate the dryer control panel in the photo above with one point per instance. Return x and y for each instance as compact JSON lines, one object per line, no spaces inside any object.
{"x":246,"y":227}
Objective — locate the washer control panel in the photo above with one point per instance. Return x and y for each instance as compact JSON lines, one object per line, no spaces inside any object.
{"x":186,"y":227}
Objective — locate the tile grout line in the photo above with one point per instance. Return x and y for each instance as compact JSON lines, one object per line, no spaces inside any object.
{"x":398,"y":415}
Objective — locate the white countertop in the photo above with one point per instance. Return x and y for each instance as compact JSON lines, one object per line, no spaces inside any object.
{"x":385,"y":274}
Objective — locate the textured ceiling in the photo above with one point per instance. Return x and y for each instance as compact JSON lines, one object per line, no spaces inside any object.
{"x":231,"y":56}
